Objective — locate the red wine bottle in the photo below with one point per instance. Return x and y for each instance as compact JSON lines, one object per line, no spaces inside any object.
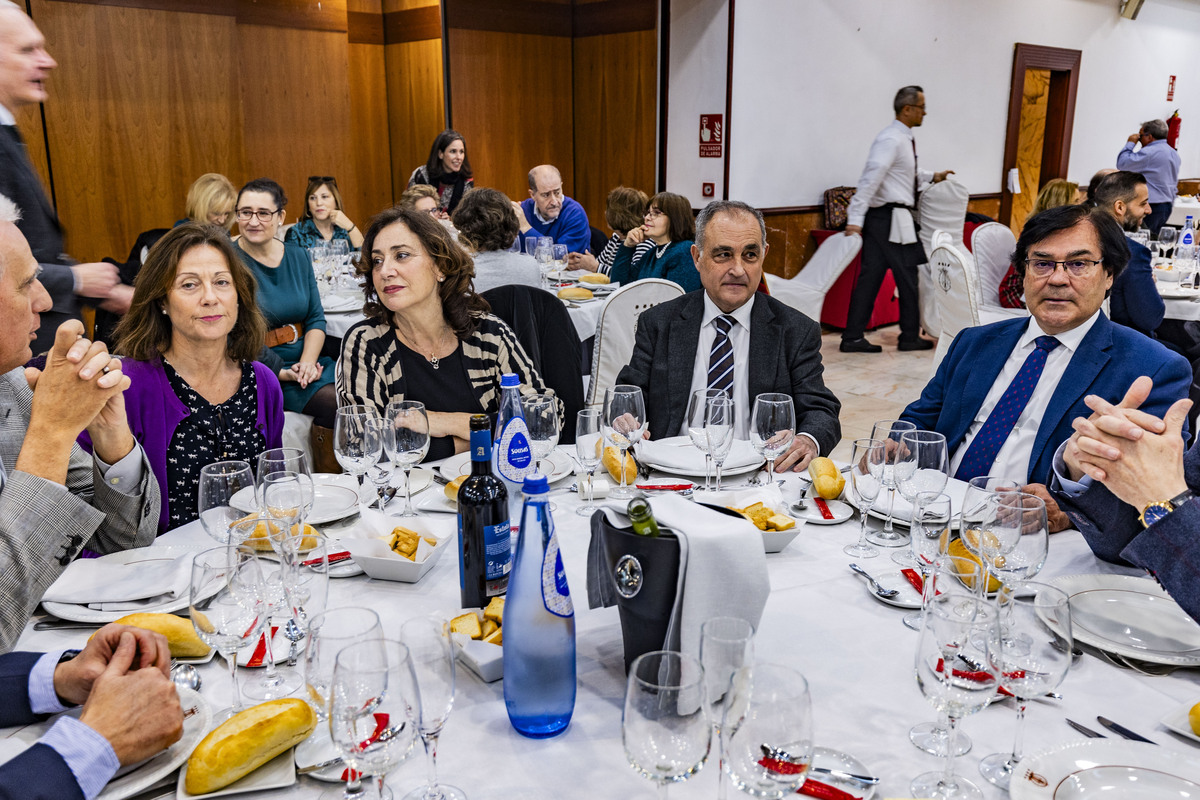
{"x":484,"y":548}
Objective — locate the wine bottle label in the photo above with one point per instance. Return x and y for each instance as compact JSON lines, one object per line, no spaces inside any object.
{"x":497,"y":553}
{"x":515,"y":460}
{"x":556,"y":595}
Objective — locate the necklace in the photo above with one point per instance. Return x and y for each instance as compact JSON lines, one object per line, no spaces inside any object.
{"x":658,"y":251}
{"x":433,"y":359}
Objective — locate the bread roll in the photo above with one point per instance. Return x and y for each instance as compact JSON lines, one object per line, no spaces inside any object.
{"x":246,"y":741}
{"x":595,"y":277}
{"x":575,"y":293}
{"x":181,"y":635}
{"x":611,"y":459}
{"x":828,"y":480}
{"x":1194,"y":719}
{"x":451,"y":488}
{"x":260,"y":539}
{"x":309,"y":541}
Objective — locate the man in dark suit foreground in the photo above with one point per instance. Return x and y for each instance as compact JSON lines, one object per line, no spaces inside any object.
{"x":1006,"y":394}
{"x":730,"y":335}
{"x":130,"y":712}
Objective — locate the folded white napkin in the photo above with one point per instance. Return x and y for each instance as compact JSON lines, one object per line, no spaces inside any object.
{"x":678,"y":454}
{"x":902,"y":509}
{"x":122,"y":587}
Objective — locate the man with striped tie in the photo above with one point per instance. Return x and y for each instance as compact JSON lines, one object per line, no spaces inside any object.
{"x":729,"y":336}
{"x":1007,"y":394}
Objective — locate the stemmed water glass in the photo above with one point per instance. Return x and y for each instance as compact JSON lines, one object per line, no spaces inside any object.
{"x":357,"y":444}
{"x":232,"y":617}
{"x":306,"y":582}
{"x":587,"y":450}
{"x":541,"y":417}
{"x":772,"y":427}
{"x":410,"y":426}
{"x":867,"y":459}
{"x":726,"y":645}
{"x":1030,"y":651}
{"x":1025,"y":560}
{"x":922,"y":465}
{"x":889,"y":432}
{"x":274,"y":682}
{"x":664,"y":727}
{"x":974,"y":507}
{"x":929,"y":539}
{"x":623,"y":423}
{"x":219,"y":482}
{"x":767,"y":731}
{"x":432,"y":657}
{"x":956,"y":677}
{"x":696,"y":414}
{"x":1166,"y":240}
{"x":374,"y":706}
{"x":718,"y":429}
{"x":1003,"y":523}
{"x":382,"y":470}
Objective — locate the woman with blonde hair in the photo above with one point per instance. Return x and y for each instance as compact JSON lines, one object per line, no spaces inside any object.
{"x":323,"y":219}
{"x":210,"y":199}
{"x":420,"y":197}
{"x":1056,"y":192}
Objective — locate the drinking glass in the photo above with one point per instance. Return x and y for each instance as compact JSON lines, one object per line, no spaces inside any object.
{"x":867,"y":460}
{"x":219,"y":482}
{"x":587,"y":450}
{"x":286,"y":497}
{"x":356,"y":444}
{"x":432,"y":655}
{"x":921,"y":466}
{"x":1025,"y":560}
{"x":531,"y":243}
{"x":288,"y":459}
{"x":974,"y":507}
{"x":1166,"y":240}
{"x":718,"y":429}
{"x":274,"y":683}
{"x":929,"y":539}
{"x":956,"y":677}
{"x":306,"y":582}
{"x":623,"y":423}
{"x":772,"y":427}
{"x":374,"y":706}
{"x":544,"y":255}
{"x":889,"y":432}
{"x":232,"y":617}
{"x":382,"y":470}
{"x":1003,"y":522}
{"x":560,"y":259}
{"x":410,"y":424}
{"x":726,"y":645}
{"x":1030,"y":653}
{"x":541,"y":417}
{"x":696,"y":414}
{"x":664,"y":728}
{"x":767,"y":731}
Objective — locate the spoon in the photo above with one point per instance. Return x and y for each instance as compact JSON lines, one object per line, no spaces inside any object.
{"x":801,"y":504}
{"x":879,"y":590}
{"x":186,"y":675}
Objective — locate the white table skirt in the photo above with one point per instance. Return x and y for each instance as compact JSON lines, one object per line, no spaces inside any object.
{"x":819,"y":619}
{"x":1181,"y":210}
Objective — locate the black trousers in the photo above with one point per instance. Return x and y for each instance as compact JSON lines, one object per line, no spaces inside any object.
{"x":878,"y":256}
{"x":1159,"y":213}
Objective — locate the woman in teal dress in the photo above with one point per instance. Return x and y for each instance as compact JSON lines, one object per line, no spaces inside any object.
{"x":288,"y":298}
{"x":670,"y":227}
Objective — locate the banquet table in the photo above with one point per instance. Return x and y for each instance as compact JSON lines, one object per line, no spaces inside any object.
{"x":1184,"y":207}
{"x":819,"y":618}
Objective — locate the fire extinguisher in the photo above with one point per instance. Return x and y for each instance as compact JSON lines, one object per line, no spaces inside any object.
{"x":1173,"y":129}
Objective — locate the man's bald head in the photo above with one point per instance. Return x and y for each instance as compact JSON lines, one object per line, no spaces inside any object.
{"x":545,"y":187}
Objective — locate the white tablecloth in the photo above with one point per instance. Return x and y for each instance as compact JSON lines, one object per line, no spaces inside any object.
{"x":819,"y":619}
{"x":1183,"y":207}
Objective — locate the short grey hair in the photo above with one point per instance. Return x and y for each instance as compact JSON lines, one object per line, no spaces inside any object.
{"x":716,"y":207}
{"x":1155,"y":129}
{"x":541,"y":167}
{"x":906,"y":97}
{"x":9,"y":211}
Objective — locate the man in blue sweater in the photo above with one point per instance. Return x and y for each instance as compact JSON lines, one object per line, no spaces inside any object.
{"x":548,"y":213}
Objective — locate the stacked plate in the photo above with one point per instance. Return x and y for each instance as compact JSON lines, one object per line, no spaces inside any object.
{"x":901,"y":508}
{"x":677,"y":455}
{"x":1108,"y":768}
{"x":334,"y":497}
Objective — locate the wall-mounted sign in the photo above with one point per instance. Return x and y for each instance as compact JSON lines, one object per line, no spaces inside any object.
{"x":712,"y":135}
{"x":1171,"y":88}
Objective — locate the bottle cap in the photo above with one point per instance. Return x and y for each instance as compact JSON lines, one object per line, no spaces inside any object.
{"x":536,"y":483}
{"x":509,"y":380}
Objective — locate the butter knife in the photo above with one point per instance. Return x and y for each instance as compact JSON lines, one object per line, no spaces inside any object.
{"x":868,"y":780}
{"x":1086,"y":731}
{"x":333,"y":762}
{"x":1121,"y":730}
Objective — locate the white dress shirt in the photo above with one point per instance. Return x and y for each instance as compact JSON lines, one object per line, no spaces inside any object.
{"x":1012,"y":461}
{"x":888,"y":175}
{"x":7,"y":117}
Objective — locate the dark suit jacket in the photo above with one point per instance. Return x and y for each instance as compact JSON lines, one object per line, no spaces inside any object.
{"x":1135,"y":301}
{"x":785,"y":356}
{"x":39,"y":224}
{"x":1109,"y":358}
{"x":39,"y":773}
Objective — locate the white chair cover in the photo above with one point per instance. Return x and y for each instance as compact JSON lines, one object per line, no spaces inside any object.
{"x":296,"y":430}
{"x":617,"y":328}
{"x":941,"y":207}
{"x":806,"y":292}
{"x":993,"y":245}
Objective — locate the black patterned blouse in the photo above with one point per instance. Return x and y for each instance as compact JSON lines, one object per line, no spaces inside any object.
{"x":208,"y":434}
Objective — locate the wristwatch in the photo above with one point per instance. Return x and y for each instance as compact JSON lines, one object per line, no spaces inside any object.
{"x":1155,"y":511}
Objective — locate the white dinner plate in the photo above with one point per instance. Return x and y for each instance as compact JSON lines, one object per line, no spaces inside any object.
{"x":828,"y":758}
{"x":335,"y":303}
{"x":1135,"y":619}
{"x":1045,"y":775}
{"x":894,"y":579}
{"x":812,"y":515}
{"x":421,"y":478}
{"x":561,"y":466}
{"x":902,"y":509}
{"x":1177,"y":720}
{"x":436,"y":502}
{"x":334,"y":498}
{"x":277,"y":773}
{"x":81,"y":613}
{"x":698,"y":470}
{"x":1174,"y":290}
{"x":317,"y":749}
{"x":1155,"y":627}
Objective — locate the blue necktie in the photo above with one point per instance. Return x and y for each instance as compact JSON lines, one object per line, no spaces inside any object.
{"x":996,"y":428}
{"x":720,"y":358}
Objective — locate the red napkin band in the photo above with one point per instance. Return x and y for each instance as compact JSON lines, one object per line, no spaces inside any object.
{"x":823,"y":507}
{"x":825,"y":791}
{"x":982,"y":676}
{"x":915,"y":579}
{"x":260,"y":651}
{"x":381,"y":722}
{"x":332,"y":558}
{"x":664,"y":487}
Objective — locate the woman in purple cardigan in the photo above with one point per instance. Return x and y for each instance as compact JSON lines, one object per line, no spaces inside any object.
{"x":189,"y":342}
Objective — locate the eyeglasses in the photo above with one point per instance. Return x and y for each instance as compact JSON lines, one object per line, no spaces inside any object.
{"x":244,"y":214}
{"x":323,"y":179}
{"x":1075,"y":267}
{"x":652,"y":213}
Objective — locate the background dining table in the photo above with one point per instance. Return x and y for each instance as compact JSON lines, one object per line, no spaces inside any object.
{"x":820,"y":618}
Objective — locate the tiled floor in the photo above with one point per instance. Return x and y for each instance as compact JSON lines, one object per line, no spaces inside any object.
{"x":872,"y":386}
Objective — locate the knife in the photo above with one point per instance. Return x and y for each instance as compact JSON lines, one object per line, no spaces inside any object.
{"x":1122,"y":730}
{"x":1086,"y":731}
{"x":869,"y":780}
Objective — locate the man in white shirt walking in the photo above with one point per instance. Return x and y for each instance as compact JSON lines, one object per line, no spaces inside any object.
{"x":881,"y":212}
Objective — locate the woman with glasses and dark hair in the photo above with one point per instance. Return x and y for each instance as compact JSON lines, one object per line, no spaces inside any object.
{"x":448,"y":170}
{"x":323,"y":219}
{"x":428,"y":336}
{"x":291,"y":304}
{"x":623,"y":213}
{"x":190,"y":340}
{"x":668,"y":223}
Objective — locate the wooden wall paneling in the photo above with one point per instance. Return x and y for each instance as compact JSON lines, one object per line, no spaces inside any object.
{"x":319,"y":15}
{"x":415,"y":106}
{"x":615,"y":82}
{"x":987,"y":204}
{"x":131,"y":127}
{"x":371,"y":151}
{"x":296,"y":101}
{"x":1030,"y":144}
{"x":512,"y":102}
{"x":788,"y":237}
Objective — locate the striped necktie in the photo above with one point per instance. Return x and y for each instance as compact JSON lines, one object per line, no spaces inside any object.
{"x":996,"y":428}
{"x":720,"y":358}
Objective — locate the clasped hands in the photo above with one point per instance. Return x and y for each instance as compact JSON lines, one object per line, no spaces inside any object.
{"x":302,"y":372}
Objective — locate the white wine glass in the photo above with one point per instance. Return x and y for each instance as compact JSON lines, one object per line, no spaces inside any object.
{"x":588,"y":447}
{"x":410,"y":426}
{"x":922,"y":465}
{"x":273,"y":683}
{"x":929,"y":540}
{"x":1025,"y":560}
{"x":767,"y":731}
{"x":889,"y":432}
{"x":623,"y":423}
{"x":432,"y":654}
{"x":696,"y":414}
{"x":306,"y":582}
{"x":719,"y":426}
{"x":380,"y":473}
{"x":867,"y":459}
{"x":726,"y":645}
{"x":357,"y":444}
{"x":219,"y":482}
{"x":772,"y":427}
{"x":541,"y":418}
{"x":664,"y":727}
